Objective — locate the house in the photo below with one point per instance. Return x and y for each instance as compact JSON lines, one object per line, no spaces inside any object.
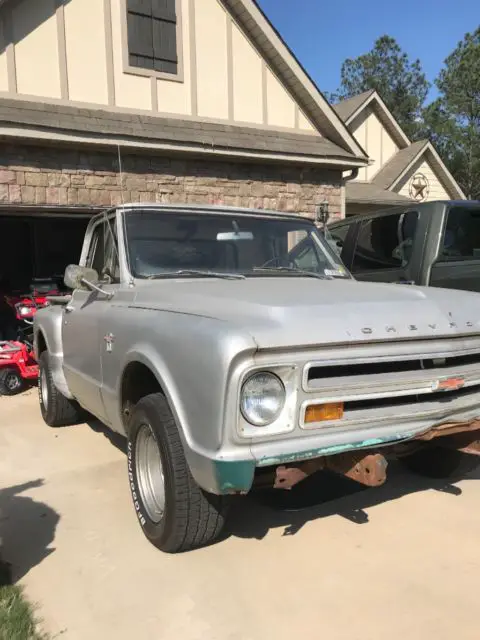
{"x":400,"y":171}
{"x":195,"y":101}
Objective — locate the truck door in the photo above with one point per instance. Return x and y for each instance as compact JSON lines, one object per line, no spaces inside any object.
{"x":458,"y":263}
{"x":385,"y":248}
{"x":82,"y":338}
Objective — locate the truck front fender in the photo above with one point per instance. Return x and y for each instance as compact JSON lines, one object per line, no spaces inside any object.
{"x":47,"y":332}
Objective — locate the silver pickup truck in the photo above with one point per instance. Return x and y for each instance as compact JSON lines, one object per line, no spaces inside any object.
{"x":232,"y":349}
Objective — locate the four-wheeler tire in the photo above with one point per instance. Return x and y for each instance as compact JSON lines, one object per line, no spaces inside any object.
{"x":437,"y":462}
{"x":174,"y":512}
{"x":56,"y":409}
{"x":11,"y":382}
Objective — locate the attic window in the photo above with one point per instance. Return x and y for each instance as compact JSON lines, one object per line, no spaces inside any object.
{"x":152,"y":35}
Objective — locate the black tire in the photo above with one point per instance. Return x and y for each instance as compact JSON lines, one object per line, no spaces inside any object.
{"x":437,"y":462}
{"x":191,"y":517}
{"x":11,"y":382}
{"x":57,"y":411}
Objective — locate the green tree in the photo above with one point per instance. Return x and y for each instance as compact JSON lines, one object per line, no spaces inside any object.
{"x":453,"y":121}
{"x":400,"y":82}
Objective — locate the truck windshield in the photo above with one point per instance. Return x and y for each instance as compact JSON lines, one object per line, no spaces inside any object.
{"x":461,"y":239}
{"x":183,"y":244}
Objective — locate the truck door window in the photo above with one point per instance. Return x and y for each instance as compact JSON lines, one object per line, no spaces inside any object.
{"x":103,"y":254}
{"x":385,"y":242}
{"x":96,"y":254}
{"x":461,"y":238}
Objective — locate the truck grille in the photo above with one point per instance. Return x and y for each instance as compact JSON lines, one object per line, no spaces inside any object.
{"x":373,"y":386}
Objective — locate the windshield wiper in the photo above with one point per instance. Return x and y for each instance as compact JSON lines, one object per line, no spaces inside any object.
{"x":292,"y":270}
{"x":195,"y":272}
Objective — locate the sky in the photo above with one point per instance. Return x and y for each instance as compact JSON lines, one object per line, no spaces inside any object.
{"x":323,"y":33}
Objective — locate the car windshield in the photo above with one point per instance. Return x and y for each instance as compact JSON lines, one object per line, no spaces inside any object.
{"x":183,"y":244}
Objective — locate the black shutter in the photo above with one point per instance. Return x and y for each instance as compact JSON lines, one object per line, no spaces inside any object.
{"x":144,"y":7}
{"x":164,"y":10}
{"x":152,"y":34}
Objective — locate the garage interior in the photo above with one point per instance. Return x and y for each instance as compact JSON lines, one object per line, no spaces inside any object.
{"x":36,"y":245}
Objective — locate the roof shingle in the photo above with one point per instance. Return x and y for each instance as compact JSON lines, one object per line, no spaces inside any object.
{"x":69,"y":119}
{"x":346,"y":108}
{"x":366,"y":193}
{"x":393,"y":169}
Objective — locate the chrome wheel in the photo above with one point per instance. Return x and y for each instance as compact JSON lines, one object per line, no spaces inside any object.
{"x":44,"y":388}
{"x":149,"y":471}
{"x":13,"y":381}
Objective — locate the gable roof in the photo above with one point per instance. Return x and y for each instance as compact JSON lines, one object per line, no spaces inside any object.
{"x":351,"y":108}
{"x":282,"y":60}
{"x":394,"y":168}
{"x":392,"y":173}
{"x":347,"y":108}
{"x":409,"y":153}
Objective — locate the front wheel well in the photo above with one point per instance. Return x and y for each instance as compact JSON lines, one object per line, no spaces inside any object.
{"x":138,"y":381}
{"x":41,"y":344}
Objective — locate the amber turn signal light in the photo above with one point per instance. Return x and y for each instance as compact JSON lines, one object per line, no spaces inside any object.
{"x":324,"y":412}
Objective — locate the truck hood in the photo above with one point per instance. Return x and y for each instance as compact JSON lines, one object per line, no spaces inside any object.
{"x":304,"y":312}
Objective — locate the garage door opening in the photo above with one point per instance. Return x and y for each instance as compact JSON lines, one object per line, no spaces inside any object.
{"x":35,"y":248}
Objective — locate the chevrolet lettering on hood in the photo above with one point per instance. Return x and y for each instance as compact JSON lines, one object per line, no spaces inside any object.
{"x":246,"y":355}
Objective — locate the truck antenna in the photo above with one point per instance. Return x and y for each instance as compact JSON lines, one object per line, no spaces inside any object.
{"x":121,"y":172}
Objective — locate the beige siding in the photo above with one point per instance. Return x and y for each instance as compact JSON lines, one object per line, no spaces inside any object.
{"x":280,"y":105}
{"x":304,"y":123}
{"x":247,"y":80}
{"x":359,"y":130}
{"x":134,"y":92}
{"x":374,"y":143}
{"x":3,"y":60}
{"x":176,"y":97}
{"x":86,"y":60}
{"x":375,"y":139}
{"x":212,"y":79}
{"x":389,"y":147}
{"x":436,"y":190}
{"x":36,"y":48}
{"x":77,"y":51}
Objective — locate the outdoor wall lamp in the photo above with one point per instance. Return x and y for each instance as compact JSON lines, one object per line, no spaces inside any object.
{"x":321,"y":212}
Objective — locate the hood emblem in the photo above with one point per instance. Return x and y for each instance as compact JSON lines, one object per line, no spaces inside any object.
{"x":413,"y":327}
{"x":449,"y":384}
{"x":367,"y":330}
{"x":390,"y":330}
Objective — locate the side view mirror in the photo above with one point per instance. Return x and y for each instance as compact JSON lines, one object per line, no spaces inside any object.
{"x":77,"y":277}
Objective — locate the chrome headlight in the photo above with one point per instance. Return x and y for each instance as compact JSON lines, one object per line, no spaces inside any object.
{"x":262,"y":399}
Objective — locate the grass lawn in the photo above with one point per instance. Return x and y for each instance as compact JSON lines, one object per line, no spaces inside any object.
{"x":17,"y":616}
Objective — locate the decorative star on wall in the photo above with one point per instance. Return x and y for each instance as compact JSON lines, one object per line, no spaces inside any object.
{"x":419,"y":187}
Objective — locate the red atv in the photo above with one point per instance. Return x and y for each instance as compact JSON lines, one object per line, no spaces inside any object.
{"x":17,"y":364}
{"x":17,"y":367}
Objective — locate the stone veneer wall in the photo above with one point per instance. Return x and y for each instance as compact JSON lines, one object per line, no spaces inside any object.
{"x":55,"y":176}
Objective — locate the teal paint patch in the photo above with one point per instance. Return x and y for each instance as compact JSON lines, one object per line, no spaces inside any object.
{"x":234,"y":476}
{"x":329,"y":451}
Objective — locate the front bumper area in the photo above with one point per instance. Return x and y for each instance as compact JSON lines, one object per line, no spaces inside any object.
{"x":237,"y":476}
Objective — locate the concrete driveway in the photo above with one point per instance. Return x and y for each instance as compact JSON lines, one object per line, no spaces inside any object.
{"x":402,"y":561}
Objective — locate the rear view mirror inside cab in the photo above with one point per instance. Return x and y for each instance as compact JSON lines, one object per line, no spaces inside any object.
{"x":233,"y":236}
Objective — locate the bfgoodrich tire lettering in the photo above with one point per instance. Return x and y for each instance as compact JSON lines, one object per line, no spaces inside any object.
{"x":191,"y":517}
{"x":56,"y":409}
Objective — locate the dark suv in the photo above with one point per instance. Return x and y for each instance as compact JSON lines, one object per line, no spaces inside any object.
{"x":432,"y":243}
